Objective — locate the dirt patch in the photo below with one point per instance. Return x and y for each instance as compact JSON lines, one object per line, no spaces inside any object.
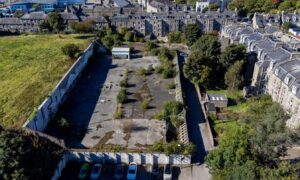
{"x":103,"y":141}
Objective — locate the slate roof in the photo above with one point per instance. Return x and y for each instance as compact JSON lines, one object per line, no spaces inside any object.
{"x":10,"y":21}
{"x":68,"y":16}
{"x":34,"y":16}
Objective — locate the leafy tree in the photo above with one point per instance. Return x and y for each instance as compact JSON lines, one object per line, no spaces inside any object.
{"x":233,"y":77}
{"x":175,"y":37}
{"x":213,"y":7}
{"x":207,"y":45}
{"x":70,"y":50}
{"x":253,"y":149}
{"x":23,"y":155}
{"x":170,"y":111}
{"x":198,"y":70}
{"x":192,"y":2}
{"x":286,"y":26}
{"x":191,"y":33}
{"x":83,"y":27}
{"x":56,"y":21}
{"x":232,"y":54}
{"x":287,"y":5}
{"x":45,"y":26}
{"x":128,"y":36}
{"x":107,"y":41}
{"x":36,"y":7}
{"x":149,"y":45}
{"x":180,"y":1}
{"x":122,"y":31}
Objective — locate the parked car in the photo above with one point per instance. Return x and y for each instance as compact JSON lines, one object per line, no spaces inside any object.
{"x":119,"y":172}
{"x":154,"y":172}
{"x":96,"y":171}
{"x":132,"y":170}
{"x":167,"y":172}
{"x":83,"y":173}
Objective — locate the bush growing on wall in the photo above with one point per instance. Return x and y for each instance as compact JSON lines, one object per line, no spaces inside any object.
{"x":70,"y":50}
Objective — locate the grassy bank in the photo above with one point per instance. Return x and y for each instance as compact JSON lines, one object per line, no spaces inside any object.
{"x":30,"y":67}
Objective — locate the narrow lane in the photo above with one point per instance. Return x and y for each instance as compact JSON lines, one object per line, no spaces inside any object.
{"x":195,"y":117}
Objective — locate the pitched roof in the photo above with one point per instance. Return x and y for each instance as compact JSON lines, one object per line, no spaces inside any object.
{"x":10,"y":21}
{"x":35,"y":16}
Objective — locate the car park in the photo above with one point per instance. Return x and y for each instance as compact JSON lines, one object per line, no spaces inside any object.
{"x":83,"y":173}
{"x":96,"y":171}
{"x":119,"y":172}
{"x":167,"y":172}
{"x":132,"y":170}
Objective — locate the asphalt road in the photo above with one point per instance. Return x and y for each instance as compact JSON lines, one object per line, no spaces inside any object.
{"x":195,"y":117}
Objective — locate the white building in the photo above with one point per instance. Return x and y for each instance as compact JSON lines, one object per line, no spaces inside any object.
{"x":120,"y":53}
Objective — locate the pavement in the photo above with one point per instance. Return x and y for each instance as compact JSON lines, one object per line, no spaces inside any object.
{"x":195,"y":172}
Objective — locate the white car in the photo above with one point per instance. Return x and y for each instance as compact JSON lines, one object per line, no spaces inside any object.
{"x":167,"y":172}
{"x":132,"y":170}
{"x":96,"y":171}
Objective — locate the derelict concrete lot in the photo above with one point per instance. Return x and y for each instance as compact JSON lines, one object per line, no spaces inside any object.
{"x":152,"y":85}
{"x":91,"y":106}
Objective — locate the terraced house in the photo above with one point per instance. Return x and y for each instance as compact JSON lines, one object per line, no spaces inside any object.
{"x":277,"y":70}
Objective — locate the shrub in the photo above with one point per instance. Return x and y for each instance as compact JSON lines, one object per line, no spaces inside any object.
{"x":122,"y":97}
{"x":169,"y":72}
{"x":123,"y":83}
{"x":70,"y":50}
{"x":150,"y":68}
{"x":150,"y":45}
{"x":154,"y":52}
{"x":159,"y":69}
{"x":171,"y":108}
{"x":64,"y":125}
{"x":118,"y":113}
{"x":171,"y":85}
{"x":173,"y":147}
{"x":83,"y":27}
{"x":141,"y":72}
{"x":145,"y":104}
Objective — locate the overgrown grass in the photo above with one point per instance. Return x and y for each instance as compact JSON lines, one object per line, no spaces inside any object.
{"x":30,"y":67}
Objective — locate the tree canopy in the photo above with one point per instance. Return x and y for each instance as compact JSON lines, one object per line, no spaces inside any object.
{"x":197,"y":68}
{"x":253,"y":150}
{"x":27,"y":156}
{"x":191,"y":33}
{"x":252,"y":6}
{"x":207,"y":45}
{"x":233,"y":77}
{"x":232,"y":54}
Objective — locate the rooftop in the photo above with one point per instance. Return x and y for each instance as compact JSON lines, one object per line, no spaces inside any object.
{"x":127,"y":49}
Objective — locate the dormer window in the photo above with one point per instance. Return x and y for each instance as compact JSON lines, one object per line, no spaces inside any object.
{"x":287,"y":80}
{"x":294,"y":90}
{"x":272,"y":64}
{"x":276,"y":72}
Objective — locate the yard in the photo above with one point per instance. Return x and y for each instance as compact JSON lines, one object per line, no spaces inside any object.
{"x":30,"y":67}
{"x":227,"y":118}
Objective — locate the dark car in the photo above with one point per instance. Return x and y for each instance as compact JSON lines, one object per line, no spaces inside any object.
{"x":119,"y":172}
{"x":154,"y":172}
